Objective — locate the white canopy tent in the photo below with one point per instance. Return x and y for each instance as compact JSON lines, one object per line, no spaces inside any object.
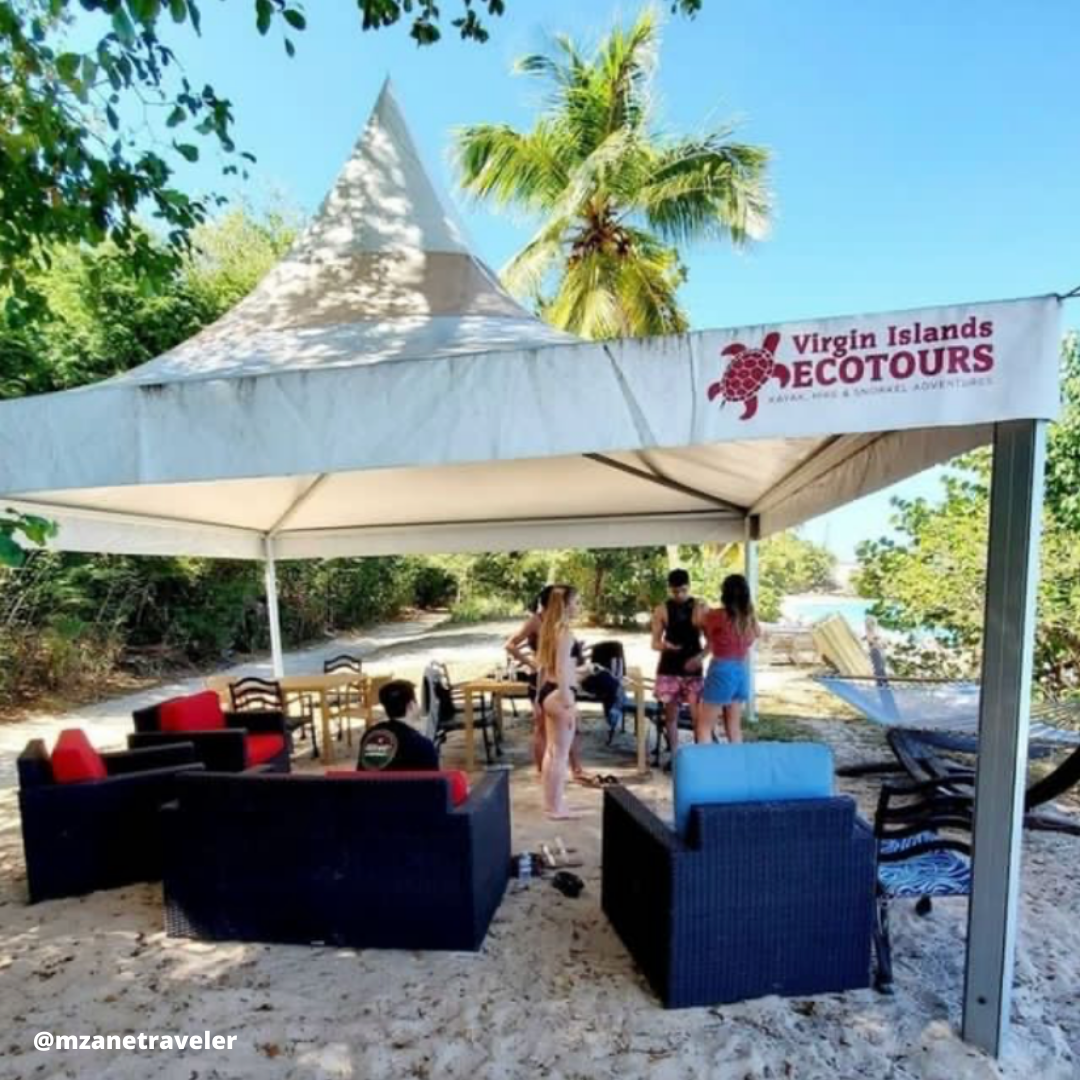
{"x":379,"y":392}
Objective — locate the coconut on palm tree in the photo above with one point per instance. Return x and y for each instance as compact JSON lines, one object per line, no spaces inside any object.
{"x":614,"y":194}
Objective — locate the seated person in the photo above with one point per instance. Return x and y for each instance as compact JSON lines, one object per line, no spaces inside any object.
{"x":394,"y":744}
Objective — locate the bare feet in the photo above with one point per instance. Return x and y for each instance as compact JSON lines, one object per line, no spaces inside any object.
{"x":563,"y":815}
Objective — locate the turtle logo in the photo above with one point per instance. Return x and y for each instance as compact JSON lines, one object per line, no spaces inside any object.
{"x":747,"y":372}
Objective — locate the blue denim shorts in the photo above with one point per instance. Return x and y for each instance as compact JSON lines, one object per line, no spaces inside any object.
{"x":727,"y":681}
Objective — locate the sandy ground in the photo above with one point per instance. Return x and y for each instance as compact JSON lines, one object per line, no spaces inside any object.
{"x":552,"y":993}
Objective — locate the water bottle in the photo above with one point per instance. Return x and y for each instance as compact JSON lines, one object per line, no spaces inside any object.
{"x":524,"y":866}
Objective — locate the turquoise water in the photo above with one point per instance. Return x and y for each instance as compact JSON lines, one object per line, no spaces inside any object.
{"x":808,"y":609}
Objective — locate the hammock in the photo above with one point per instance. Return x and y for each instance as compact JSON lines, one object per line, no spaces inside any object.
{"x":945,"y":707}
{"x":925,"y":716}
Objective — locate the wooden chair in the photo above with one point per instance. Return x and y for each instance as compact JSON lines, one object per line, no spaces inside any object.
{"x":347,"y":703}
{"x":252,"y":694}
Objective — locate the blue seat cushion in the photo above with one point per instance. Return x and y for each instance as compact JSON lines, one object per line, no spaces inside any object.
{"x":931,"y":873}
{"x":749,"y":772}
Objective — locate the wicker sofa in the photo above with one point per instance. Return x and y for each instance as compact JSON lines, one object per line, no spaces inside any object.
{"x":752,"y":898}
{"x":369,"y":861}
{"x":99,"y":830}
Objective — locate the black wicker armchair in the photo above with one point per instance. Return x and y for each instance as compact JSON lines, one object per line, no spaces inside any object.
{"x":759,"y":898}
{"x":97,"y":833}
{"x":223,"y":741}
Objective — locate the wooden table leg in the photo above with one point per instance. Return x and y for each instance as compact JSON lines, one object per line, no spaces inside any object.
{"x":497,"y":702}
{"x":642,"y":732}
{"x":470,"y":750}
{"x":328,"y":743}
{"x":367,"y":694}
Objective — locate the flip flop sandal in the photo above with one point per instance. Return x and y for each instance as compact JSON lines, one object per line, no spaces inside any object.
{"x":589,"y":781}
{"x":568,"y":884}
{"x":608,"y":780}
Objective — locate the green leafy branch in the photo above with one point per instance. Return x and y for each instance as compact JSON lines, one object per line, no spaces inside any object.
{"x":35,"y":530}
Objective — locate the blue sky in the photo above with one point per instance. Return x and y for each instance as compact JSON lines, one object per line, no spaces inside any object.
{"x":925,"y":152}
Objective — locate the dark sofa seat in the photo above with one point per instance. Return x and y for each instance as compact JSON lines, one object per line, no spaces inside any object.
{"x":311,"y":859}
{"x":223,"y":741}
{"x":100,"y":832}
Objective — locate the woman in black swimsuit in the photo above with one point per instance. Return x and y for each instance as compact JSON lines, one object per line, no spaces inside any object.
{"x":557,"y":697}
{"x":524,"y":647}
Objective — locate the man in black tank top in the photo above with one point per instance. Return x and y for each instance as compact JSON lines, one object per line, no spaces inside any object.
{"x":676,"y":636}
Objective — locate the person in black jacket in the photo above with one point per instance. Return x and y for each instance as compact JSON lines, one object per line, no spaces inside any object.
{"x":394,"y":744}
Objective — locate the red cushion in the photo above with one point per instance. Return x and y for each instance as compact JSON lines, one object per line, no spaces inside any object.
{"x":74,"y":759}
{"x":458,"y":780}
{"x":261,"y":748}
{"x":197,"y":712}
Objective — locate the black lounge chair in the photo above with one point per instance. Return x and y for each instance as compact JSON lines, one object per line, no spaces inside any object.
{"x":444,"y":707}
{"x":923,"y":833}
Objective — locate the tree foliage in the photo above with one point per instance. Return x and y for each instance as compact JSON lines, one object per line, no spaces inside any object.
{"x":35,"y":530}
{"x":931,"y":578}
{"x":788,"y":564}
{"x":613,"y":195}
{"x":73,"y":170}
{"x":105,"y":319}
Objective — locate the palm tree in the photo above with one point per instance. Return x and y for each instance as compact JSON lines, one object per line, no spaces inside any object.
{"x":615,"y":196}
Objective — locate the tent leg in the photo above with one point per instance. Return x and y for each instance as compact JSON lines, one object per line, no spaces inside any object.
{"x":750,"y":565}
{"x":1011,"y":580}
{"x":272,"y":612}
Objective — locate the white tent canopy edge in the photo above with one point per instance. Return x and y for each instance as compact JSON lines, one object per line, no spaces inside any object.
{"x":351,"y":458}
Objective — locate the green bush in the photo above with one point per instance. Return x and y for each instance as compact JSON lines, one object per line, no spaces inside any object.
{"x":477,"y":609}
{"x":434,"y":586}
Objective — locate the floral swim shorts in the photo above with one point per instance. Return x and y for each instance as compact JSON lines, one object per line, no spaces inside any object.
{"x":679,"y":688}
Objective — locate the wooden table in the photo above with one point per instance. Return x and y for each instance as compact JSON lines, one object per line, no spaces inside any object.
{"x":318,"y":685}
{"x":498,"y":689}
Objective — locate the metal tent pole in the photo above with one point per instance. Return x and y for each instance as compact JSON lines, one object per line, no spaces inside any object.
{"x":750,"y":564}
{"x":273,"y":615}
{"x":1011,"y":579}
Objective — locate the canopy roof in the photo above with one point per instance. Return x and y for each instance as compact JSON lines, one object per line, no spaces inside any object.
{"x":380,"y":392}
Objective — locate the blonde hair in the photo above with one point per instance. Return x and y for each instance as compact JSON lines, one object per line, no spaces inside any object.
{"x":555,"y":619}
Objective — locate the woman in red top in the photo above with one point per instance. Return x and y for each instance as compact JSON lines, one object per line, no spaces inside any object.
{"x":730,"y":630}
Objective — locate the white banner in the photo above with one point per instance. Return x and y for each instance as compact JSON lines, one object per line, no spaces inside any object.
{"x":926,"y":368}
{"x":936,"y":367}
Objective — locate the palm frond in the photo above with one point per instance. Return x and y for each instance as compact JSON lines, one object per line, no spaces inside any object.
{"x":648,"y":284}
{"x":585,"y":302}
{"x":605,"y":294}
{"x":707,"y":188}
{"x":495,"y":161}
{"x":525,"y":273}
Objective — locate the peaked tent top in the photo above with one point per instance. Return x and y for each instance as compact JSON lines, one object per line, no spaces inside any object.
{"x":383,"y":272}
